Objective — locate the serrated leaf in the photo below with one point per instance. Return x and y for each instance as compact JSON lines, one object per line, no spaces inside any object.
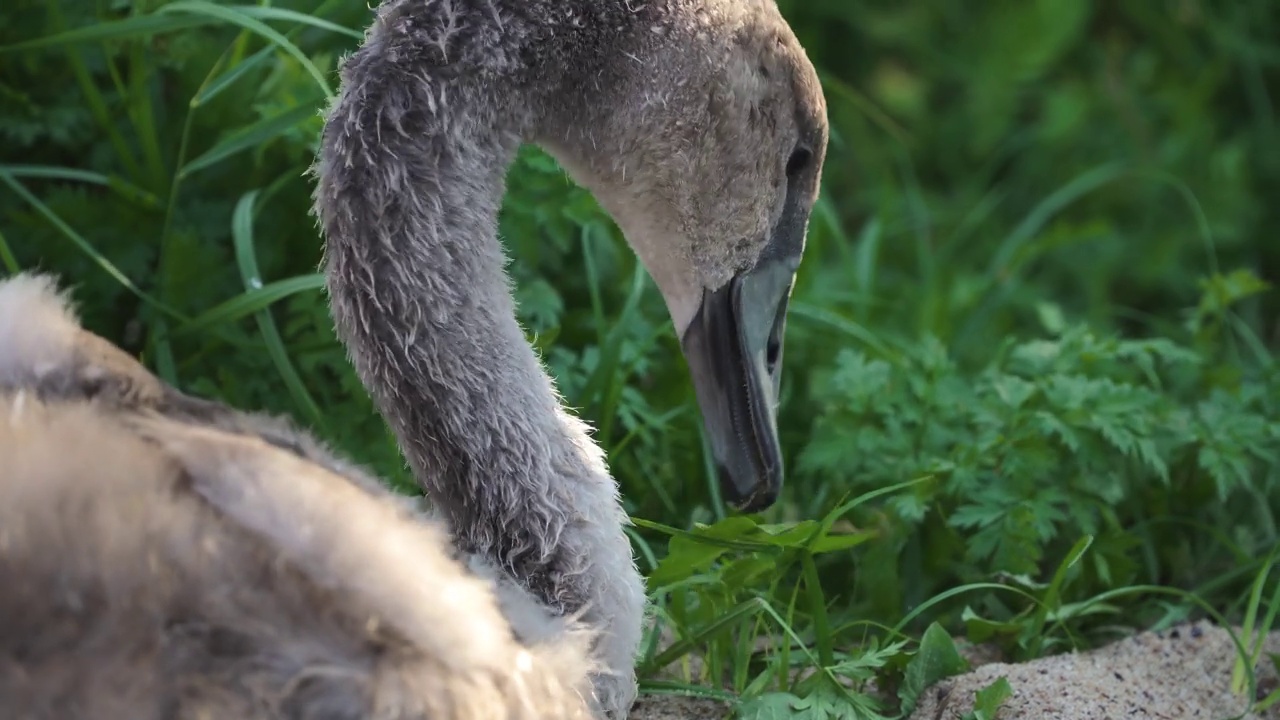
{"x":862,"y":665}
{"x":769,"y":706}
{"x":1013,"y":390}
{"x":828,"y":702}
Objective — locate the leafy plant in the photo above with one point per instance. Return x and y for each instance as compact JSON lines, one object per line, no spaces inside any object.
{"x":1031,"y":393}
{"x":1054,"y":439}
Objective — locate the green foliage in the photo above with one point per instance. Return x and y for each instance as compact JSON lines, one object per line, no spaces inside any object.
{"x":1034,"y":337}
{"x":1074,"y":433}
{"x":988,"y":700}
{"x":936,"y":659}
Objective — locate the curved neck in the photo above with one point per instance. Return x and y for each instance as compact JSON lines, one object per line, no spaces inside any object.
{"x":411,"y":176}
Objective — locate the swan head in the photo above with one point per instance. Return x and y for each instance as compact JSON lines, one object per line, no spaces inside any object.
{"x":703,"y":134}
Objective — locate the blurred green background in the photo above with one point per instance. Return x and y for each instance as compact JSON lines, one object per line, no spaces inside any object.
{"x":1037,"y":278}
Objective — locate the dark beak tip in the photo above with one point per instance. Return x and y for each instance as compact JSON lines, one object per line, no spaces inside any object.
{"x":759,"y":502}
{"x":757,"y":495}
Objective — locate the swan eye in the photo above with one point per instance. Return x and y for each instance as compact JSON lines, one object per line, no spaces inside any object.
{"x":798,"y":161}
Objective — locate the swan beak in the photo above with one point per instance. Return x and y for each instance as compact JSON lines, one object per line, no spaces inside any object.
{"x":734,"y":351}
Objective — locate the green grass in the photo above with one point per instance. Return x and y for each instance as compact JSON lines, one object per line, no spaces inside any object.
{"x":1031,"y":394}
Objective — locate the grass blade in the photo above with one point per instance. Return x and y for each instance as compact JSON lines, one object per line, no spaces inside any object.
{"x":215,"y":87}
{"x":85,"y":246}
{"x":1043,"y":212}
{"x":822,"y":316}
{"x":97,"y":102}
{"x":234,"y":16}
{"x":141,"y":112}
{"x":137,"y":26}
{"x":250,"y":136}
{"x":122,"y":187}
{"x":250,"y":302}
{"x":263,"y":12}
{"x":953,"y":592}
{"x":818,"y":609}
{"x":7,"y":257}
{"x":669,"y":687}
{"x":682,"y":647}
{"x":1053,"y":594}
{"x":246,"y":258}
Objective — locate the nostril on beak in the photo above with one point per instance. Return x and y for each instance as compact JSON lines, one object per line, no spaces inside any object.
{"x":771,"y":353}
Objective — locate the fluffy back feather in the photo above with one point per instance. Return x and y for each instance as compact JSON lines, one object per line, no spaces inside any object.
{"x":38,"y":329}
{"x":161,"y":559}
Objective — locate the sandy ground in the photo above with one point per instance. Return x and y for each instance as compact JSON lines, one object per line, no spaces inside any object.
{"x":1180,"y":674}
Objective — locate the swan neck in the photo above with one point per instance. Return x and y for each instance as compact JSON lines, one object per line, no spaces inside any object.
{"x":410,"y":182}
{"x":410,"y":178}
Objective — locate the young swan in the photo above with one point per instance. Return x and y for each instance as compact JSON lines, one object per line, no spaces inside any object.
{"x":698,"y":124}
{"x":163,"y":556}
